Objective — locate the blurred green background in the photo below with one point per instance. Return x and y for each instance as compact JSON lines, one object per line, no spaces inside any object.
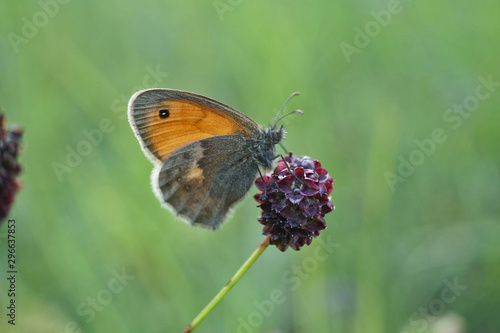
{"x":414,"y":238}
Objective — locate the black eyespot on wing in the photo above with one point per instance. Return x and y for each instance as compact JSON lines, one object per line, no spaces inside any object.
{"x":164,"y":113}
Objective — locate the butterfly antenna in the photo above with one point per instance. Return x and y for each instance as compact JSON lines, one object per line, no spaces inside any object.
{"x":288,"y":100}
{"x":289,"y":113}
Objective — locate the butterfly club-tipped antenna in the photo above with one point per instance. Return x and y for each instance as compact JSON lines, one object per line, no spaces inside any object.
{"x":276,"y":119}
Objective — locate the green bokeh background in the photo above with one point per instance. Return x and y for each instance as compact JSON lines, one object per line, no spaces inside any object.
{"x":396,"y":250}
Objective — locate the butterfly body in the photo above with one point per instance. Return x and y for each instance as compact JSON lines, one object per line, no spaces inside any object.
{"x":206,"y":154}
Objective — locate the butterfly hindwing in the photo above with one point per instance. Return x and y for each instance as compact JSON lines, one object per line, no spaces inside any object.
{"x":203,"y":180}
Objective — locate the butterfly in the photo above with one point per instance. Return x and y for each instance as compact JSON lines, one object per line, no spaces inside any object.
{"x":206,"y":154}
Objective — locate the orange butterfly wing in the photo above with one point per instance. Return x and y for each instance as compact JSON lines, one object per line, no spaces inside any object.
{"x":166,"y":120}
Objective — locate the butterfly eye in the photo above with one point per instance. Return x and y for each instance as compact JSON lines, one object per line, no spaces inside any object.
{"x":164,"y":113}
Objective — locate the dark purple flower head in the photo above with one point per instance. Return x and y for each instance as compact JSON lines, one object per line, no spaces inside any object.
{"x":294,"y":201}
{"x":9,"y":168}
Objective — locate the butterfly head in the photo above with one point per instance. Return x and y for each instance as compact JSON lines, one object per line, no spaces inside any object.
{"x":263,"y":149}
{"x":274,"y":135}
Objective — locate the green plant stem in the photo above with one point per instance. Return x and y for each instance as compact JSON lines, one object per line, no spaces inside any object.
{"x":230,"y":284}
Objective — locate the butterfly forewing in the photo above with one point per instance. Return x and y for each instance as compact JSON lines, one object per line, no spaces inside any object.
{"x":166,"y":120}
